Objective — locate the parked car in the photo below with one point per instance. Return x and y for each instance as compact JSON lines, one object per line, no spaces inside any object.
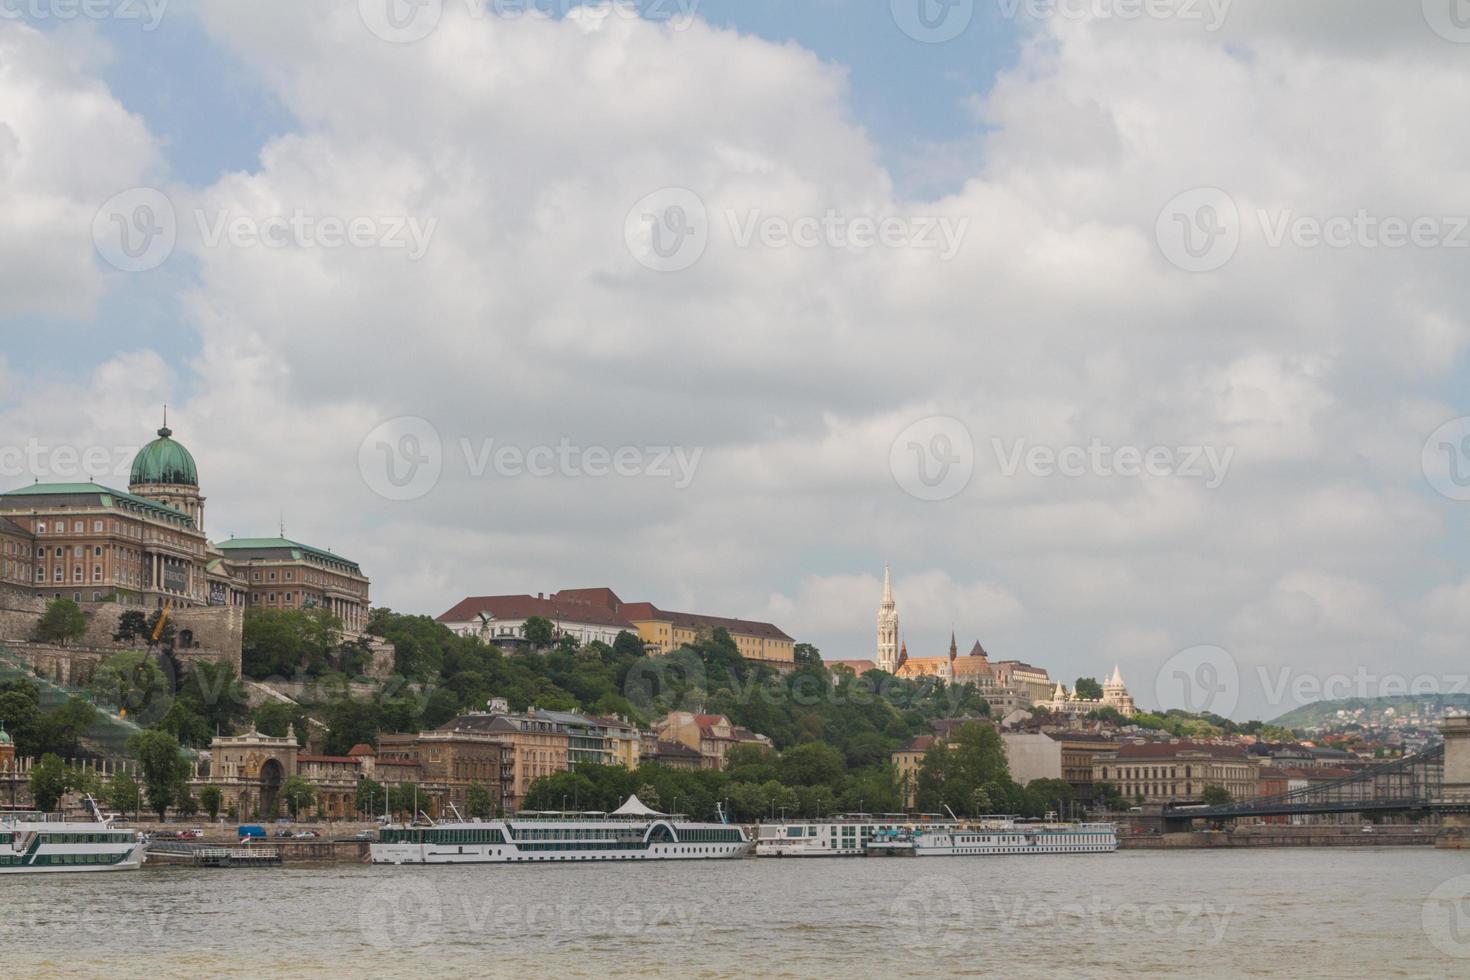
{"x":306,"y":835}
{"x":283,"y":834}
{"x":364,"y":835}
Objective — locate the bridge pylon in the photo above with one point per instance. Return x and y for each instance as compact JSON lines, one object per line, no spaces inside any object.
{"x":1455,"y":826}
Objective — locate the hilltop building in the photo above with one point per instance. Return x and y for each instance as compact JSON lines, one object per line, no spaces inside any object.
{"x":1115,"y":696}
{"x":147,"y":547}
{"x":599,"y":614}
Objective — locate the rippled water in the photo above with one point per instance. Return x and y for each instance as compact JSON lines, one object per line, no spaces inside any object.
{"x":1295,"y":912}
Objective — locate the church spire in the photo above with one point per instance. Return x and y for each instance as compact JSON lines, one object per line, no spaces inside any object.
{"x":954,"y":650}
{"x":887,"y":584}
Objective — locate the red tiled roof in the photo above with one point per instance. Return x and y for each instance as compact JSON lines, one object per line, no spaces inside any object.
{"x":858,"y":667}
{"x":1168,"y":750}
{"x":919,"y":743}
{"x":526,"y":606}
{"x":361,"y":748}
{"x":604,"y":597}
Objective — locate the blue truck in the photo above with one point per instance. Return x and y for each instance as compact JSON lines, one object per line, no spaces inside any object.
{"x":251,"y":832}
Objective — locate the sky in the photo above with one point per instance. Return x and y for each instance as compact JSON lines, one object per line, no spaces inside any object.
{"x":1125,"y":333}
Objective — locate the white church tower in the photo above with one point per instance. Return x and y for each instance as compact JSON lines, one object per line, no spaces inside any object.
{"x":887,"y":626}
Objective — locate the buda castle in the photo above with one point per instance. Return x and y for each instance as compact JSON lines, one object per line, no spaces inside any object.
{"x":148,"y":548}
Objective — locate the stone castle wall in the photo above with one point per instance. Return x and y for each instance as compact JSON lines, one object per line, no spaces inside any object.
{"x":217,"y":634}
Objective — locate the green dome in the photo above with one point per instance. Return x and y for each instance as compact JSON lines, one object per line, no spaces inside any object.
{"x":164,"y":461}
{"x":4,"y":738}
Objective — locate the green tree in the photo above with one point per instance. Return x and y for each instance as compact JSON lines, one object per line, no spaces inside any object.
{"x":184,"y":800}
{"x":481,"y":805}
{"x":539,"y":631}
{"x":812,"y":764}
{"x":62,"y":623}
{"x":163,"y":766}
{"x":1216,"y":796}
{"x":806,"y":654}
{"x":211,"y":798}
{"x":49,"y":782}
{"x":122,"y":794}
{"x":1088,"y":689}
{"x":628,"y":645}
{"x":60,"y":729}
{"x":298,"y":795}
{"x":369,"y":798}
{"x":133,"y":684}
{"x":160,"y":631}
{"x":132,"y":626}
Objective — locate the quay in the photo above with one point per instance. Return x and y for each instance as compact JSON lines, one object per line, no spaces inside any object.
{"x":1285,"y":836}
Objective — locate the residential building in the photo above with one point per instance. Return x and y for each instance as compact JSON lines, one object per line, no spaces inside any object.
{"x":539,"y":745}
{"x":624,"y":741}
{"x":449,"y":763}
{"x":675,"y":755}
{"x":712,"y":736}
{"x":908,"y":758}
{"x":1063,"y":755}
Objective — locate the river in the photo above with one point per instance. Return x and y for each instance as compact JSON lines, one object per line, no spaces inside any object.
{"x":1302,"y":912}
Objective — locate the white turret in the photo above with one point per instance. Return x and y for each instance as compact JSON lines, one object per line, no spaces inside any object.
{"x":887,"y":626}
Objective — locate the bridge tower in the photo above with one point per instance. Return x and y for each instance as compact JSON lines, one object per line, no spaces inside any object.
{"x":1456,"y":785}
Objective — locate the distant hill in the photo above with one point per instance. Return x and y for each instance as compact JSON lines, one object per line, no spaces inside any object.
{"x":1321,"y":712}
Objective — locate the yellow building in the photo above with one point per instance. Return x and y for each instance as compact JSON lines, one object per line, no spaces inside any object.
{"x":908,"y":759}
{"x":712,"y":736}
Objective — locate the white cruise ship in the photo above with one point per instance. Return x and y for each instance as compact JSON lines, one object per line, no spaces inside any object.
{"x":854,"y":836}
{"x":36,"y":843}
{"x":846,"y":835}
{"x":1006,"y":835}
{"x":633,"y":832}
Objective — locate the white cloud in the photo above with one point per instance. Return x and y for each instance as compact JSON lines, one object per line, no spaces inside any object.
{"x":1058,"y":322}
{"x":66,"y":146}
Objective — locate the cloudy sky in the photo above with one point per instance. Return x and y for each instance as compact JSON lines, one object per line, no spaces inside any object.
{"x":1127,"y":333}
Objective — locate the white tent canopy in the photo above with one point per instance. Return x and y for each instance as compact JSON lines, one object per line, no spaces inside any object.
{"x":635,"y":808}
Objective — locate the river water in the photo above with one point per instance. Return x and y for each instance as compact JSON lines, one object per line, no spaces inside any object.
{"x":1318,"y":912}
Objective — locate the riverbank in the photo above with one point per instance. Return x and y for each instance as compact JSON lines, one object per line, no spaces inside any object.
{"x":1283,"y":835}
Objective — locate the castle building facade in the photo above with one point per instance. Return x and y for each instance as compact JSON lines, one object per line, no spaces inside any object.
{"x":147,"y":547}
